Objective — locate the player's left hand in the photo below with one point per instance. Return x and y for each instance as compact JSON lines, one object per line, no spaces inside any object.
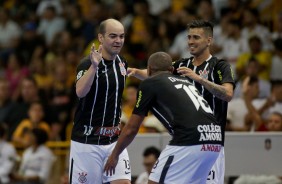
{"x":111,"y":165}
{"x":187,"y":72}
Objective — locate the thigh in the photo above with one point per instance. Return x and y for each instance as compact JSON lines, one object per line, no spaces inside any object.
{"x":183,"y":164}
{"x":123,"y":168}
{"x":86,"y":163}
{"x":216,"y":174}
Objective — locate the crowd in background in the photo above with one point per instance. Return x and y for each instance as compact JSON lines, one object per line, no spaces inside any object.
{"x":42,"y":42}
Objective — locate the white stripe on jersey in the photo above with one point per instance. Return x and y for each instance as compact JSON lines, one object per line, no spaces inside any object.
{"x":213,"y":97}
{"x":203,"y":89}
{"x":92,"y":110}
{"x":106,"y":100}
{"x":170,"y":128}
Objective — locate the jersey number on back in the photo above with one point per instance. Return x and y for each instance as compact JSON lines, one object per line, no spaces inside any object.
{"x":197,"y":99}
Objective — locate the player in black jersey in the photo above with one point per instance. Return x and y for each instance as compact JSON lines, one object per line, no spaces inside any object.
{"x":212,"y":77}
{"x":100,"y":82}
{"x":196,"y":135}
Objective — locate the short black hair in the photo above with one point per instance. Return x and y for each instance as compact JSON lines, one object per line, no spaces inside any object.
{"x":40,"y":135}
{"x":152,"y":150}
{"x":206,"y":25}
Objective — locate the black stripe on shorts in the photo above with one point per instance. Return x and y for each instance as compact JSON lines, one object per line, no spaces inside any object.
{"x":165,"y":169}
{"x":71,"y":171}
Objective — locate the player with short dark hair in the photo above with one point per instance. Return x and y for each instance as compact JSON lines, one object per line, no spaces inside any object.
{"x":196,"y":135}
{"x":213,"y":78}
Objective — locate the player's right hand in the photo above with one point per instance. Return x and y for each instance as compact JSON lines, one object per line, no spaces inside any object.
{"x":111,"y":165}
{"x":95,"y":55}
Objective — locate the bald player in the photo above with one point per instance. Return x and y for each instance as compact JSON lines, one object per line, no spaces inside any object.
{"x":100,"y":82}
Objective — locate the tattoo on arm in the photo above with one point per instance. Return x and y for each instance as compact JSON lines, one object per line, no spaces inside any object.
{"x":217,"y":90}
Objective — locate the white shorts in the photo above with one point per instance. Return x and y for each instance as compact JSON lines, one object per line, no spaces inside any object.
{"x":216,"y":174}
{"x":184,"y":164}
{"x":87,"y":164}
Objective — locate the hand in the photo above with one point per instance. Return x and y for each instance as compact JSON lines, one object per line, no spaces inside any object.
{"x":245,"y":85}
{"x":95,"y":55}
{"x":111,"y":165}
{"x":131,"y":72}
{"x":184,"y":71}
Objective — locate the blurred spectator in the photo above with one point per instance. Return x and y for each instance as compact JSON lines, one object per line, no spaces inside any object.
{"x":273,"y":123}
{"x":233,"y":43}
{"x":129,"y":102}
{"x":61,"y":97}
{"x":256,"y":51}
{"x":206,"y":11}
{"x":252,"y":27}
{"x":122,"y":13}
{"x":29,"y":94}
{"x":179,"y":47}
{"x":8,"y":156}
{"x":10,"y":31}
{"x":6,"y":105}
{"x":139,"y":32}
{"x":44,"y":4}
{"x":158,"y":6}
{"x":37,"y":160}
{"x":274,"y":103}
{"x":29,"y":41}
{"x":14,"y":73}
{"x":150,"y":156}
{"x":252,"y":69}
{"x":21,"y":137}
{"x":38,"y":71}
{"x":276,"y":64}
{"x":277,"y":33}
{"x":50,"y":24}
{"x":236,"y":115}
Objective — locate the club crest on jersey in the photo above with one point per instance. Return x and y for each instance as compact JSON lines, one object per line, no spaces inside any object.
{"x":122,"y":69}
{"x":82,"y":177}
{"x":204,"y":74}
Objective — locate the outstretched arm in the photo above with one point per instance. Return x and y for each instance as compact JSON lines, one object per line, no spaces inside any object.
{"x":84,"y":84}
{"x":138,"y":73}
{"x":223,"y":92}
{"x":127,"y":135}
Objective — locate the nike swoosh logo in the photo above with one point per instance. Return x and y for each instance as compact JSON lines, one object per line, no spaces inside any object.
{"x":126,"y":172}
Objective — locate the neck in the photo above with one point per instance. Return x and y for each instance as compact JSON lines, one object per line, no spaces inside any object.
{"x":198,"y":60}
{"x":158,"y":72}
{"x":109,"y":56}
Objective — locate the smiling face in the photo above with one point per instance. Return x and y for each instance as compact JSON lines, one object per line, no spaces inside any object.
{"x":112,"y":40}
{"x":198,"y":41}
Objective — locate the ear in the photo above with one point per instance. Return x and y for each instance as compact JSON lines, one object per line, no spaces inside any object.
{"x":171,"y":69}
{"x":209,"y":40}
{"x":100,"y":38}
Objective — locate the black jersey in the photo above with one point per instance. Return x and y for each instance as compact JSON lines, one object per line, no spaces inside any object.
{"x":216,"y":71}
{"x":98,"y":114}
{"x":180,"y":108}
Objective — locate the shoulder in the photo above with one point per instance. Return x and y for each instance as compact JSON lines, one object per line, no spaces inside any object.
{"x":218,"y":63}
{"x":9,"y":148}
{"x":182,"y":60}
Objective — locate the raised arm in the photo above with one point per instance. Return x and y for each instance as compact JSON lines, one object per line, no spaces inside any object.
{"x":127,"y":135}
{"x":138,"y":73}
{"x":84,"y":83}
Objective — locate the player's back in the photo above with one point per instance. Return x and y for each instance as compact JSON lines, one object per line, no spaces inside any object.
{"x":179,"y":106}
